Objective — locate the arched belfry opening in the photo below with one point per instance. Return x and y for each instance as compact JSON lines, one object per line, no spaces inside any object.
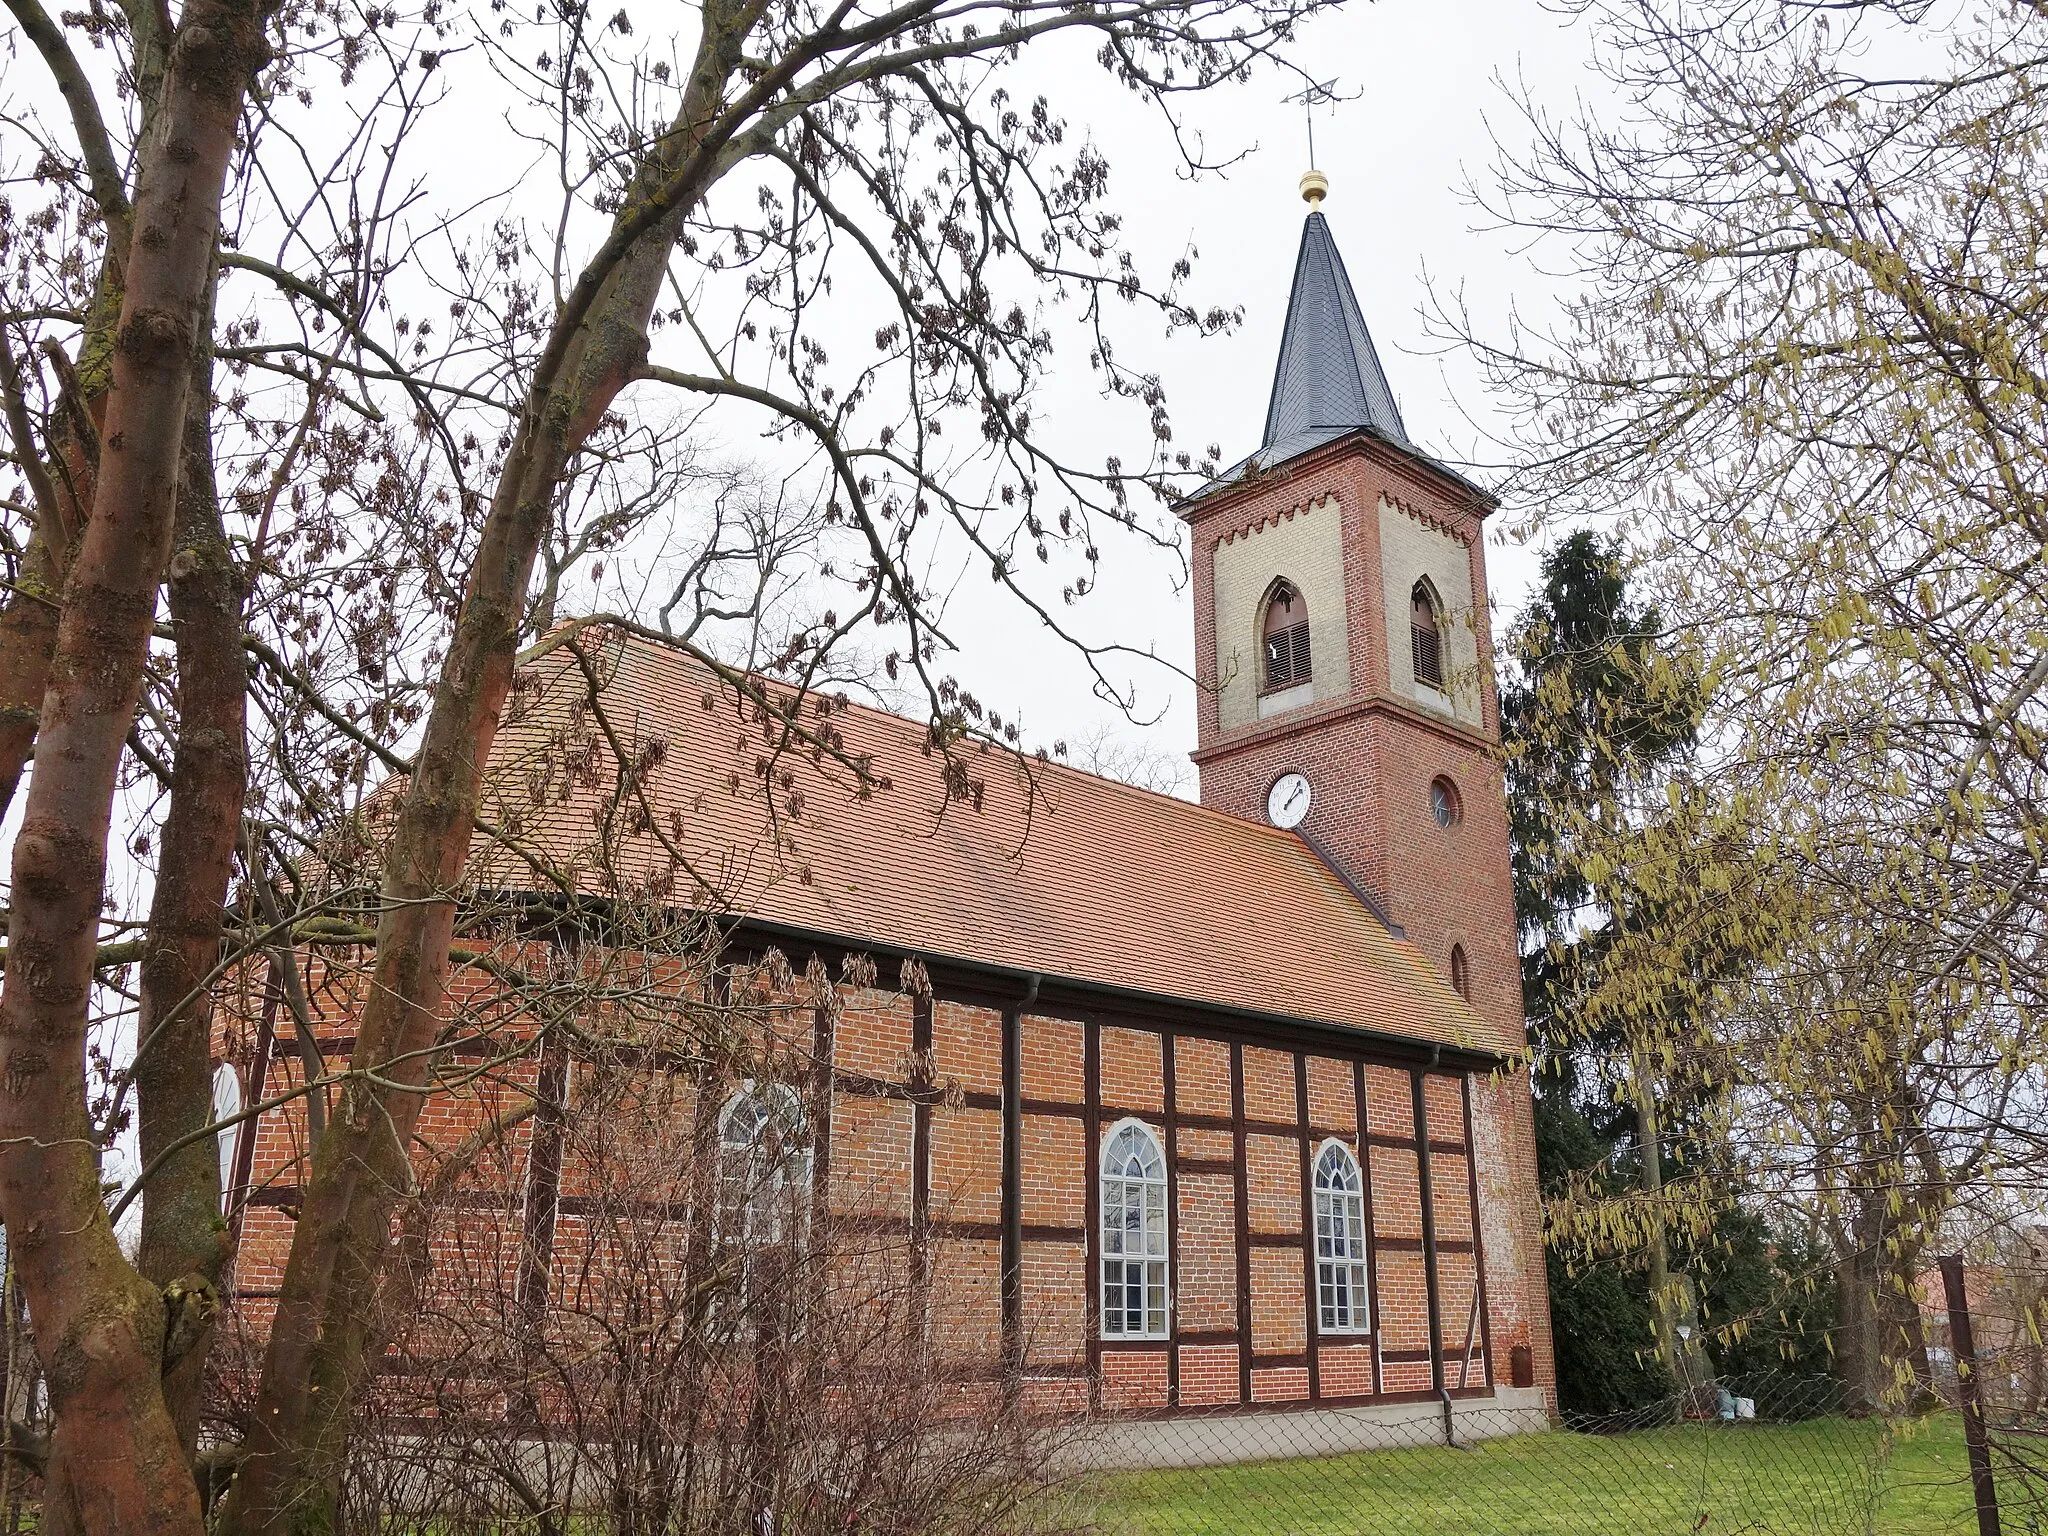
{"x":1426,"y":635}
{"x":1284,"y":638}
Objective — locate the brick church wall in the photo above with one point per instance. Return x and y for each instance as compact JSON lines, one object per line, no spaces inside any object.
{"x":1240,"y":1123}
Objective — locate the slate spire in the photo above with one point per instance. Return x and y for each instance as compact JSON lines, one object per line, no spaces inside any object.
{"x":1329,"y":378}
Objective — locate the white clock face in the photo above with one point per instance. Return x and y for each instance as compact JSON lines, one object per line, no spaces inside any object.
{"x":1287,"y":801}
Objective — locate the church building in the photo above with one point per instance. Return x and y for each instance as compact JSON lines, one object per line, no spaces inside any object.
{"x":1236,"y":1116}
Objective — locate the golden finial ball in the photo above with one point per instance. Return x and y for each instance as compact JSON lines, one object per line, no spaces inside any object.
{"x":1315,"y":186}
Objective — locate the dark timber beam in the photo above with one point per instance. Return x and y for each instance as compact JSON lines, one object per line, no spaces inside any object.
{"x":1013,"y":1179}
{"x":1429,"y":1272}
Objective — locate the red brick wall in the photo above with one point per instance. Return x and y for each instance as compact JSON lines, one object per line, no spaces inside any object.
{"x":1206,"y":1288}
{"x":1208,"y":1375}
{"x":1132,"y":1077}
{"x":1218,"y":1249}
{"x":967,"y":1045}
{"x":967,"y":1165}
{"x":1371,"y":759}
{"x":1202,"y":1076}
{"x":1134,"y":1379}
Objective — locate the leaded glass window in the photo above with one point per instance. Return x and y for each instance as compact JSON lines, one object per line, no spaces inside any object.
{"x":1343,"y":1303}
{"x":764,"y":1166}
{"x":761,"y":1213}
{"x":1134,"y":1281}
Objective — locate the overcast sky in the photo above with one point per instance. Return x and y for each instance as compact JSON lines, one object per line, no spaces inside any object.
{"x":1399,"y":157}
{"x":1422,"y":77}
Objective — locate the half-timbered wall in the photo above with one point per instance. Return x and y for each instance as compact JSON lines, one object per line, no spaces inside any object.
{"x":914,"y":1131}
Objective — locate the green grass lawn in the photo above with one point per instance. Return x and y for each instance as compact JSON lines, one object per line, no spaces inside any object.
{"x":1827,"y":1476}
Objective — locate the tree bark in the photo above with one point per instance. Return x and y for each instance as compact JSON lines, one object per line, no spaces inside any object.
{"x":27,"y":645}
{"x":28,"y":624}
{"x":28,"y":633}
{"x":1878,"y":1327}
{"x":99,"y":1324}
{"x":1855,"y":1334}
{"x":1663,"y":1300}
{"x":317,"y":1355}
{"x":184,"y":1239}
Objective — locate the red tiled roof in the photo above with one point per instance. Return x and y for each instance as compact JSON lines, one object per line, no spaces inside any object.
{"x":1056,"y":871}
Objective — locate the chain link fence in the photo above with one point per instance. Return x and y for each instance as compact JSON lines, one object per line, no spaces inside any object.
{"x":1767,"y":1455}
{"x":1985,"y":1326}
{"x":1773,"y":1455}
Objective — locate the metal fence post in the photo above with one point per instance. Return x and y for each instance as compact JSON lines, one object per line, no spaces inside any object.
{"x":1963,"y":1345}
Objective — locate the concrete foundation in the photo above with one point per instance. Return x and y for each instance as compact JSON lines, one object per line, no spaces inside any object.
{"x":1227,"y":1438}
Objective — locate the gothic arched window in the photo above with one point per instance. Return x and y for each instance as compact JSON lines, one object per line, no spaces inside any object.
{"x":1134,"y":1299}
{"x":1425,"y":636}
{"x":227,"y":1103}
{"x":1461,"y":972}
{"x":764,"y":1166}
{"x":1343,"y":1304}
{"x":762,"y":1210}
{"x":1284,"y":635}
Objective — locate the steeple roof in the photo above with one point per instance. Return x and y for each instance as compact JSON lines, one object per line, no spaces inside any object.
{"x":1329,"y":382}
{"x":1329,"y":377}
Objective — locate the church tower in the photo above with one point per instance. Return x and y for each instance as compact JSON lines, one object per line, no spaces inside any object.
{"x":1343,"y":647}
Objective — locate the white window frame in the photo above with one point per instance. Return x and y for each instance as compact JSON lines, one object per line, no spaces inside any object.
{"x":227,"y":1103}
{"x":772,"y":1204}
{"x":1122,"y":1197}
{"x":767,"y":1189}
{"x":1343,"y":1270}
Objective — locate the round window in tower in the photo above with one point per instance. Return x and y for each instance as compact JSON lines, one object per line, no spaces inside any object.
{"x":1443,"y":802}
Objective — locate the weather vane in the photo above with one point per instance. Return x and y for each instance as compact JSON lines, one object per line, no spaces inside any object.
{"x":1315,"y":186}
{"x":1316,"y":94}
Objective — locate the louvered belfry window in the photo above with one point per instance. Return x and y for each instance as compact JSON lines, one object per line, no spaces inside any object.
{"x":1286,"y":639}
{"x":1425,"y":637}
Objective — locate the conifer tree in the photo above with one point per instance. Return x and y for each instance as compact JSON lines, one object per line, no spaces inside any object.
{"x":1593,"y":712}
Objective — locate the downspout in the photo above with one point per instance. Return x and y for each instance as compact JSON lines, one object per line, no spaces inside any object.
{"x":1013,"y":1179}
{"x":1437,"y":1379}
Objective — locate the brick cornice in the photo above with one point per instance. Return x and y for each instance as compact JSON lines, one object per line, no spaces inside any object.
{"x":1448,"y":527}
{"x":1244,"y":528}
{"x":1295,"y":722}
{"x":1460,"y":492}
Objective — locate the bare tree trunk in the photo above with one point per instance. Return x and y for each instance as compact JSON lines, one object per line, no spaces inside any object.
{"x":1905,"y":1332}
{"x":317,"y":1354}
{"x":28,"y":633}
{"x":1663,"y":1300}
{"x":98,"y":1323}
{"x":183,"y":1239}
{"x":1878,"y":1327}
{"x":28,"y":624}
{"x":1855,"y":1334}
